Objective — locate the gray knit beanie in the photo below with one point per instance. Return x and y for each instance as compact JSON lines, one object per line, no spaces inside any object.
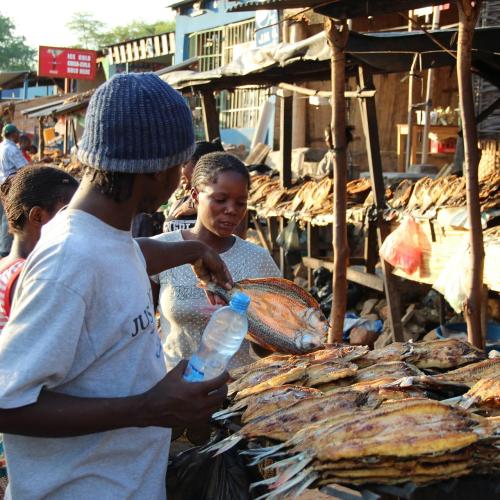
{"x":136,"y":123}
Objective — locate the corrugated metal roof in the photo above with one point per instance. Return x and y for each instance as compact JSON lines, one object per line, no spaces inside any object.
{"x":310,"y":59}
{"x":339,"y":9}
{"x":8,"y":77}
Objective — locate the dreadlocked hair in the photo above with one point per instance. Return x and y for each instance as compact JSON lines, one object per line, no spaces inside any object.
{"x":204,"y":147}
{"x":114,"y":185}
{"x":211,"y":165}
{"x":33,"y":186}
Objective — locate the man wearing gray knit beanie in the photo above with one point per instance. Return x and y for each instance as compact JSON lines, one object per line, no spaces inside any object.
{"x":80,"y":358}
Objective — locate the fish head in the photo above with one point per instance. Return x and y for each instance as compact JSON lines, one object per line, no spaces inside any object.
{"x":314,"y":319}
{"x":307,"y":341}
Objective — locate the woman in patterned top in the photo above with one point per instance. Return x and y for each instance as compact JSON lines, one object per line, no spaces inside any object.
{"x":220,"y":186}
{"x":31,"y":198}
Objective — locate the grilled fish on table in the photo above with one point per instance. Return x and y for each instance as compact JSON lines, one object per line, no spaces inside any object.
{"x":267,"y":402}
{"x":416,"y":440}
{"x":326,"y":353}
{"x":310,"y":374}
{"x":441,"y":354}
{"x":282,"y":316}
{"x":283,"y":424}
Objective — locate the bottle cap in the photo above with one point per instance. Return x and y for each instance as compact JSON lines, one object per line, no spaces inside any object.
{"x":240,"y":302}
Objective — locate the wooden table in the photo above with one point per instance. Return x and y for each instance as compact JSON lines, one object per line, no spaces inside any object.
{"x":442,"y":132}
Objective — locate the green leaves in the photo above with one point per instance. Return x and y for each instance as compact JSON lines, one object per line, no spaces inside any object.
{"x":14,"y":53}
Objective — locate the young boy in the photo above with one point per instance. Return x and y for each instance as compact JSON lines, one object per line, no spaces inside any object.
{"x":85,"y":402}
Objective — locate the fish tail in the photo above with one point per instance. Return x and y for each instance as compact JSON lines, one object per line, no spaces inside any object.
{"x":261,"y":453}
{"x":299,"y":479}
{"x":302,"y":461}
{"x":225,"y":415}
{"x":224,"y":445}
{"x":217,"y":290}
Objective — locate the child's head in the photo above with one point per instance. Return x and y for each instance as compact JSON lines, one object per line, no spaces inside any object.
{"x":34,"y":195}
{"x":202,"y":148}
{"x":220,"y":186}
{"x":25,"y":142}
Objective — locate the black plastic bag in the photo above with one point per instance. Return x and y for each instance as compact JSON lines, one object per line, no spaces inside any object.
{"x":201,"y":476}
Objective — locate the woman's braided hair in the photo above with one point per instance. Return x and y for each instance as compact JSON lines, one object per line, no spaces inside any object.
{"x":35,"y":186}
{"x":211,"y":165}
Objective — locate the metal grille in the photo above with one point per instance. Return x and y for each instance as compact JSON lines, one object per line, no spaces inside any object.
{"x":240,"y":108}
{"x":215,"y":48}
{"x":207,"y":46}
{"x":238,"y":34}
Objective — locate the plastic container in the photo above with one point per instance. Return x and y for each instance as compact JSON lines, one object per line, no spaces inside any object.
{"x":221,"y":339}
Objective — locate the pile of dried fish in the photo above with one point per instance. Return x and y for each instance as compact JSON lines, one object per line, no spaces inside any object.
{"x":447,"y":191}
{"x":308,"y":199}
{"x":339,"y":423}
{"x":315,"y":198}
{"x":415,"y":439}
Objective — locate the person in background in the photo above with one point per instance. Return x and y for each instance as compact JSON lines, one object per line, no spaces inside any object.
{"x":80,"y":357}
{"x":182,"y":212}
{"x":31,"y":198}
{"x":25,"y":146}
{"x":11,"y":160}
{"x":220,"y":185}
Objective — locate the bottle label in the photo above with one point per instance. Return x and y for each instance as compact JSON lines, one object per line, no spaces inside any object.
{"x":194,"y":370}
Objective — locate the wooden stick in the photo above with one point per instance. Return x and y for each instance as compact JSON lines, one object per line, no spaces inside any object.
{"x":337,"y":34}
{"x":467,"y":14}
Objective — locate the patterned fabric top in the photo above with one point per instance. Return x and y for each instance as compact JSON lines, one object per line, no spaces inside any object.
{"x":184,"y":309}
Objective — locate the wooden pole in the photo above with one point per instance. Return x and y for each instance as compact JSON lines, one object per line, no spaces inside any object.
{"x":286,"y":127}
{"x":41,"y":142}
{"x":467,"y":15}
{"x":428,"y":95}
{"x":337,"y":34}
{"x":210,"y":115}
{"x":370,"y":129}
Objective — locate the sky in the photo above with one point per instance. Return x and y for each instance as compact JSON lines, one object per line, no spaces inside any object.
{"x":44,"y":23}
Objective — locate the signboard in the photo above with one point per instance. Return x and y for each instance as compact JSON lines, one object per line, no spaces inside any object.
{"x":58,"y":62}
{"x":267,"y":29}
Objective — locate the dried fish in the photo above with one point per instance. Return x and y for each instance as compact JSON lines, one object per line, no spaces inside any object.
{"x":470,"y":374}
{"x":397,"y":442}
{"x":282,"y":316}
{"x":267,"y":402}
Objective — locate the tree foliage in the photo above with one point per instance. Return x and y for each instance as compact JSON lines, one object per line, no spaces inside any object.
{"x":15,"y":54}
{"x":93,"y":34}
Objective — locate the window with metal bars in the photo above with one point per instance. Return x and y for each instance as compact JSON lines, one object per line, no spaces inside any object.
{"x":216,"y":47}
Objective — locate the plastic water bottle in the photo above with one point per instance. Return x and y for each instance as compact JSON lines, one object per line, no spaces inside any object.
{"x":221,"y":339}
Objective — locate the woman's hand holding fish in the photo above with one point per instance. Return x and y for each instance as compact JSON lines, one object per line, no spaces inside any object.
{"x":210,"y":268}
{"x":174,"y":402}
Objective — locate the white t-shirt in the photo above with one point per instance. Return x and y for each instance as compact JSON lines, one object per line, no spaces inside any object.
{"x":183,"y":304}
{"x":11,"y":159}
{"x":82,"y":324}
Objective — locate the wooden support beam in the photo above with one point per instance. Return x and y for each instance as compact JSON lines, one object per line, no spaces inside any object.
{"x":41,"y":142}
{"x":260,"y":233}
{"x":370,"y":126}
{"x":286,"y":114}
{"x":354,"y":274}
{"x":324,"y":93}
{"x":337,"y":34}
{"x":312,"y":244}
{"x":210,"y":115}
{"x":468,"y":12}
